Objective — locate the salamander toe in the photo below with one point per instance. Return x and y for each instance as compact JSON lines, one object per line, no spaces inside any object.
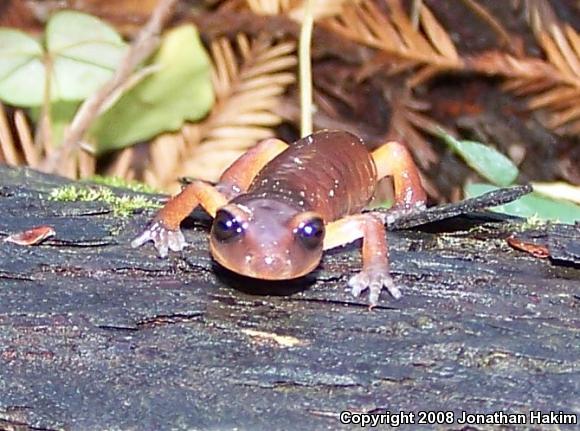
{"x":163,"y":239}
{"x":374,"y":279}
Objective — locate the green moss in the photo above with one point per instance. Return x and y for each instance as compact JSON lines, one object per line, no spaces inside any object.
{"x":122,"y":206}
{"x":120,"y":182}
{"x":535,"y":222}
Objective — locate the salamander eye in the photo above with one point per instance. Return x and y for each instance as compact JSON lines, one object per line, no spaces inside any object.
{"x":226,"y":226}
{"x":311,"y":232}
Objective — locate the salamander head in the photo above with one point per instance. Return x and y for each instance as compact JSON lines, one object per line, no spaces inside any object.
{"x":267,"y":239}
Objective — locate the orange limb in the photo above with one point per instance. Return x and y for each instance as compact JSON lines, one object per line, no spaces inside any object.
{"x":393,"y":159}
{"x":375,"y":272}
{"x":235,"y":179}
{"x":164,"y":230}
{"x":238,"y":177}
{"x":194,"y":194}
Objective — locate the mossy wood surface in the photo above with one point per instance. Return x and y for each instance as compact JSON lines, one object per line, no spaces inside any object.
{"x":97,"y":336}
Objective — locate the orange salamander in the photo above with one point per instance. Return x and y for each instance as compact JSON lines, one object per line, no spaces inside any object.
{"x":279,"y":206}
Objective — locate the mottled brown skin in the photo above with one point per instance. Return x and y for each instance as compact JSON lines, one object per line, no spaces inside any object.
{"x":331,"y":173}
{"x":278,"y":207}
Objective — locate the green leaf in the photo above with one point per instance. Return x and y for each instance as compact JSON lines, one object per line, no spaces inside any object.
{"x":22,"y":75}
{"x":82,"y":52}
{"x":61,"y":115}
{"x":486,"y":161}
{"x":85,"y":52}
{"x":180,"y":89}
{"x":532,"y":205}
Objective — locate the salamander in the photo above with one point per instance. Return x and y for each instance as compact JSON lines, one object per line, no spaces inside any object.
{"x":279,"y":206}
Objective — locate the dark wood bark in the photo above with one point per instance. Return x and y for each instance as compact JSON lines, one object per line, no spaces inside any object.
{"x":95,"y":335}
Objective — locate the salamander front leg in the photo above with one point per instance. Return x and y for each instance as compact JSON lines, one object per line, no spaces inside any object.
{"x":375,"y":272}
{"x":164,"y":229}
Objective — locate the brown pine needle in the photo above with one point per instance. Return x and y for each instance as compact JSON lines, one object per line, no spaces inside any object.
{"x":394,"y":33}
{"x":494,"y":24}
{"x":32,"y":155}
{"x":9,"y":152}
{"x":121,"y":167}
{"x":555,"y":87}
{"x":249,"y":77}
{"x":438,"y":36}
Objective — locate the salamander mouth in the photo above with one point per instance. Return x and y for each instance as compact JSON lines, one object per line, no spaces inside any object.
{"x":289,"y":271}
{"x":272,"y":276}
{"x":264,"y":268}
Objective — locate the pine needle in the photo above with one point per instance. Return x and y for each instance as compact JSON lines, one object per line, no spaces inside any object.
{"x":394,"y":33}
{"x":31,"y":154}
{"x":8,"y":150}
{"x":17,"y":148}
{"x":249,"y":77}
{"x":553,"y":86}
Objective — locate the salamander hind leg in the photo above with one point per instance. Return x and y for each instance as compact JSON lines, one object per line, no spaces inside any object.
{"x":393,"y":159}
{"x":375,"y":275}
{"x":238,"y":177}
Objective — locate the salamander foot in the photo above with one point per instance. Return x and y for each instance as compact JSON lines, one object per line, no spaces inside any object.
{"x":374,"y":279}
{"x":163,"y":238}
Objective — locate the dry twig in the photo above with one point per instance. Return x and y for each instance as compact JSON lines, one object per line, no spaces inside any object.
{"x":142,"y":47}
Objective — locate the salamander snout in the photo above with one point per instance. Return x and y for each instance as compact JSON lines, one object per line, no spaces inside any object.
{"x":268,"y":266}
{"x":267,"y":240}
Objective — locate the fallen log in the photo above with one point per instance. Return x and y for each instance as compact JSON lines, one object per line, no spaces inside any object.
{"x":95,"y":335}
